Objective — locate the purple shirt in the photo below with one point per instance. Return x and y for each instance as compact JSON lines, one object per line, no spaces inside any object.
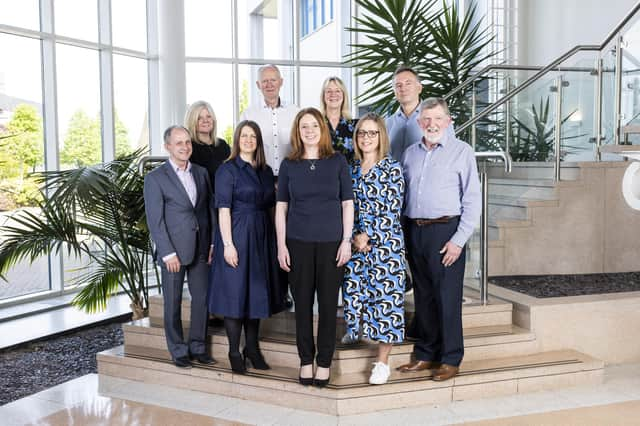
{"x":443,"y":182}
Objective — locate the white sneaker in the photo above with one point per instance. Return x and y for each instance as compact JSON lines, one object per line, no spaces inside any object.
{"x":379,"y":374}
{"x":348,"y":340}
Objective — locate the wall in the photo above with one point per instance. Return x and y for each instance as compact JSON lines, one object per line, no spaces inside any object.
{"x":548,"y":28}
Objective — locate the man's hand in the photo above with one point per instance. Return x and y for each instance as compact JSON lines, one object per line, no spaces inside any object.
{"x":451,"y":253}
{"x":173,"y":264}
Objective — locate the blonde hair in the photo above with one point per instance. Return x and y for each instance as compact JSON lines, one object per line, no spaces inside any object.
{"x":344,"y":108}
{"x":191,"y":121}
{"x":325,"y":150}
{"x":383,"y":137}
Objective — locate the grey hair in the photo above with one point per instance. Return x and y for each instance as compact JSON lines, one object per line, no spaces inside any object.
{"x":431,"y":103}
{"x":167,"y":133}
{"x":267,"y":67}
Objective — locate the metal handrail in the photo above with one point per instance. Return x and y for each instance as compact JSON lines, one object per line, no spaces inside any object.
{"x":624,"y":21}
{"x":150,"y":159}
{"x":484,"y":224}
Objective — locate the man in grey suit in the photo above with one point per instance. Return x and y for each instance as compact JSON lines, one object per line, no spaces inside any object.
{"x":179,"y":206}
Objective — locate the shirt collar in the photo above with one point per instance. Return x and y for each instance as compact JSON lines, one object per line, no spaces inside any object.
{"x":281,"y":104}
{"x":443,"y":142}
{"x":399,"y":112}
{"x":240,"y":162}
{"x":177,"y":169}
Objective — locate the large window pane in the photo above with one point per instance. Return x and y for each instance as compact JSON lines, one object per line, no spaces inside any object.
{"x":210,"y":82}
{"x":21,"y":151}
{"x":129,"y":24}
{"x":208,"y":29}
{"x":131,"y":103}
{"x":265,"y":29}
{"x":23,"y":13}
{"x":78,"y":106}
{"x":77,"y":18}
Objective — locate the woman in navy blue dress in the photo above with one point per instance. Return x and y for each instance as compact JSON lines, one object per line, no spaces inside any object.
{"x":245,"y":284}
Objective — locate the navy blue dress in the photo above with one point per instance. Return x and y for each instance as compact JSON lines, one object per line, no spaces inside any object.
{"x":254,"y":289}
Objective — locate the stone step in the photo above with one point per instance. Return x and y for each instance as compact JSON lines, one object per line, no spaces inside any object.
{"x":351,"y":393}
{"x":473,"y":315}
{"x":535,"y":170}
{"x":279,"y":349}
{"x":537,"y":189}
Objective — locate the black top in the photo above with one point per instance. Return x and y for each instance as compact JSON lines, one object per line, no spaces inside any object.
{"x":315,"y":190}
{"x":210,"y":157}
{"x":342,"y":137}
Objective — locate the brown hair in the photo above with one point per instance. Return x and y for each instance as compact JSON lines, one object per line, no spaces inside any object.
{"x":383,"y":137}
{"x":325,"y":150}
{"x":258,"y":156}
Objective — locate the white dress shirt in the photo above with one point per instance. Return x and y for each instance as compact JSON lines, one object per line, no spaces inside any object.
{"x":275,"y":125}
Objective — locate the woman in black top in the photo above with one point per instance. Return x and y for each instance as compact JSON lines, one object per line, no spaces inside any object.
{"x":209,"y":151}
{"x":334,"y":104}
{"x":314,"y":221}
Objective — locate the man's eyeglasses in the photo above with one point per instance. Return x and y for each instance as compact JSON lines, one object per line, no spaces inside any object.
{"x":370,"y":133}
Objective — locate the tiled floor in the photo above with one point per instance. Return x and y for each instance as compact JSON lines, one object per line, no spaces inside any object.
{"x":90,"y":401}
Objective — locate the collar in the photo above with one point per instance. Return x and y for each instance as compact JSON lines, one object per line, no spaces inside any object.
{"x":240,"y":162}
{"x":281,"y":104}
{"x":177,"y":169}
{"x":443,"y":142}
{"x":400,"y":113}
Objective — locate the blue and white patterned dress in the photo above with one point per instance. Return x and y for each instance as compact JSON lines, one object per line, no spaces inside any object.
{"x":373,"y":289}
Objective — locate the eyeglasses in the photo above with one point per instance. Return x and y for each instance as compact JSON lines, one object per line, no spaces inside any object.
{"x":370,"y":133}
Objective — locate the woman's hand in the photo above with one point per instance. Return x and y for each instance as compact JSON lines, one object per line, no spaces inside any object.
{"x":231,"y":256}
{"x":283,"y":258}
{"x":344,"y":252}
{"x":361,"y":242}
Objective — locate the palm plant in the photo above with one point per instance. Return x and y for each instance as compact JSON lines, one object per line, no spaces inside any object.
{"x":95,"y":213}
{"x":443,"y":47}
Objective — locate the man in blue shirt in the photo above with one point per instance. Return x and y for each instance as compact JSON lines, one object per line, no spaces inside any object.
{"x":402,"y":125}
{"x":442,"y":206}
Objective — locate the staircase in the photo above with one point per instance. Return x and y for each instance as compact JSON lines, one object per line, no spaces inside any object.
{"x":500,"y":359}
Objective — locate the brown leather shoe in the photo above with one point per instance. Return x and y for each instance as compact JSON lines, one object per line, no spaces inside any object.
{"x":445,"y":372}
{"x":417,"y":365}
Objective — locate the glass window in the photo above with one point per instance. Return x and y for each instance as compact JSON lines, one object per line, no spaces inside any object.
{"x":21,"y":151}
{"x":266,"y":30}
{"x":130,"y":103}
{"x":24,"y":13}
{"x":208,"y":29}
{"x":129,"y":24}
{"x":211,"y":83}
{"x":77,"y":19}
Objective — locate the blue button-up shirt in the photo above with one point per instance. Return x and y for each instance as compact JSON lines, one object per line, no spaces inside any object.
{"x":443,"y":181}
{"x":403,"y":131}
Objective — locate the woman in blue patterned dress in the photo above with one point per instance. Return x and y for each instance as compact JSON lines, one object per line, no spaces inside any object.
{"x":373,"y":289}
{"x":334,"y":105}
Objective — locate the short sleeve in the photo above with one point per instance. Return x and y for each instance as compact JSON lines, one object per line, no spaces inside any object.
{"x":283,"y":182}
{"x":224,"y":186}
{"x":346,"y":185}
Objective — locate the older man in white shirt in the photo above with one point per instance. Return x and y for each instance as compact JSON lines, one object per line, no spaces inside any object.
{"x":273,"y":115}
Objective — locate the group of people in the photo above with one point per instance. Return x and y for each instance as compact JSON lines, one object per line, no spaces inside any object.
{"x":317,"y":201}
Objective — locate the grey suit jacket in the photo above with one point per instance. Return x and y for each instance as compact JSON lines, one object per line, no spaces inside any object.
{"x":174,"y":223}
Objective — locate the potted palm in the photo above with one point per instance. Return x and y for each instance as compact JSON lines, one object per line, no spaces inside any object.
{"x":95,"y":213}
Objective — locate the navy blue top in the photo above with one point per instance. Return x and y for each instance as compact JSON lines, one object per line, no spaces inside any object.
{"x":315,"y":197}
{"x":243,"y":188}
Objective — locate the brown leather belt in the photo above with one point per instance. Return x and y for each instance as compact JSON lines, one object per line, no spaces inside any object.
{"x":427,"y":222}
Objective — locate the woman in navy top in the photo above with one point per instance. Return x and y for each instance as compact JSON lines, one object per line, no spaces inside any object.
{"x":245,"y":284}
{"x":314,"y":221}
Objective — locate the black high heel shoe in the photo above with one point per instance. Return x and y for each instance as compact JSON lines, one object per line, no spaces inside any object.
{"x":237,"y":363}
{"x":305,"y":381}
{"x":256,"y":360}
{"x":320,"y":383}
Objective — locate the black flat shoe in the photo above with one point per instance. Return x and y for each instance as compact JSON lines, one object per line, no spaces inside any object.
{"x":237,"y":363}
{"x":256,"y":360}
{"x":203,"y":359}
{"x":305,"y":381}
{"x":182,"y":362}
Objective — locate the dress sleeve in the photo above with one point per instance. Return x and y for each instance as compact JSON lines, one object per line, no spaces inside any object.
{"x":224,"y":186}
{"x":346,"y":185}
{"x":283,"y":182}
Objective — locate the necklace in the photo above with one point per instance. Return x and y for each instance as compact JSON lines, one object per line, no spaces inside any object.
{"x":312,"y":165}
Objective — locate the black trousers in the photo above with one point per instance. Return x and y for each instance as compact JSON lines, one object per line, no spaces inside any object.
{"x":438,"y":294}
{"x":314,"y":271}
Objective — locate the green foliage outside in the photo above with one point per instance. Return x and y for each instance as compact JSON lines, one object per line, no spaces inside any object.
{"x":243,"y":103}
{"x":83,"y":140}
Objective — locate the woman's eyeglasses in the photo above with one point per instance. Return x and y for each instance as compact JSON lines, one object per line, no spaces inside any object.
{"x":370,"y":133}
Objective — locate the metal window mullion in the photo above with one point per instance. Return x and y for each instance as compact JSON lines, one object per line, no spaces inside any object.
{"x":106,"y":81}
{"x":235,"y":77}
{"x":153,"y":79}
{"x":296,"y":51}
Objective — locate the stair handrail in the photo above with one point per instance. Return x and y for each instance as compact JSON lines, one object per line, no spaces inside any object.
{"x":484,"y":222}
{"x":150,"y":159}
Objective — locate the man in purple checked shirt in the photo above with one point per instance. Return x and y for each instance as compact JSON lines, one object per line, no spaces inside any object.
{"x":442,"y":206}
